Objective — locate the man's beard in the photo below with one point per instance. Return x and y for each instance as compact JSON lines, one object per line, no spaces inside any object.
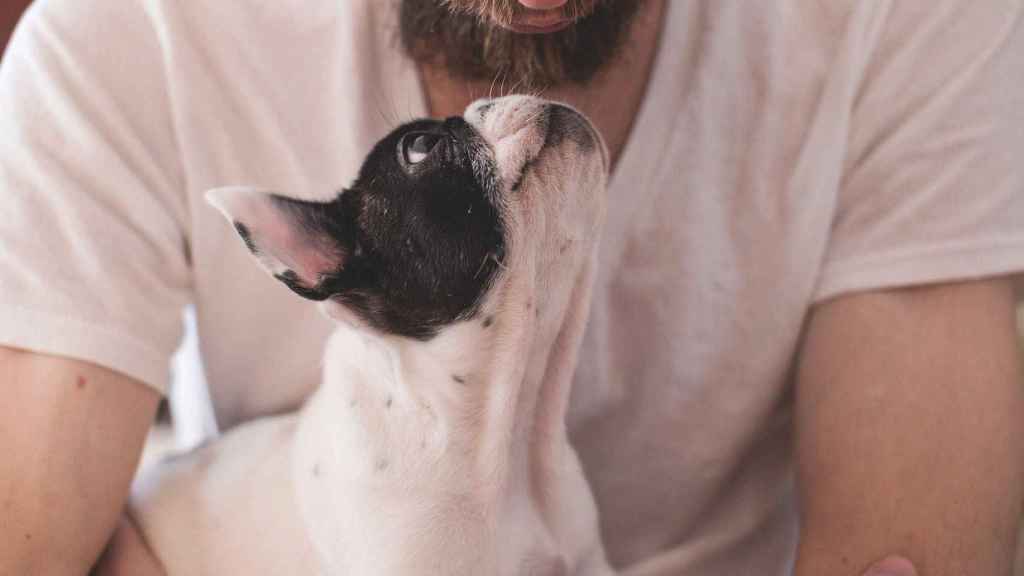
{"x":464,"y":37}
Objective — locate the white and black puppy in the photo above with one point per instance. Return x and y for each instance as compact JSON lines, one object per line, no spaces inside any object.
{"x":458,"y":266}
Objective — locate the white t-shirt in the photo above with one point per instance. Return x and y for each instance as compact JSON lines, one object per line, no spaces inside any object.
{"x":787,"y":152}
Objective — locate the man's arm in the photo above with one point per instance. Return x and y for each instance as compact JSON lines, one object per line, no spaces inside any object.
{"x":910,"y":414}
{"x":71,"y":434}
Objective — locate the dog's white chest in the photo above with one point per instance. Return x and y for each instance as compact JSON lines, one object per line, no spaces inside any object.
{"x":395,"y":483}
{"x":373,"y":460}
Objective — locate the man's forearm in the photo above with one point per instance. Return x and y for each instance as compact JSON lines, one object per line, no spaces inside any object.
{"x":42,"y":539}
{"x":42,"y":557}
{"x":70,"y":435}
{"x":909,"y":419}
{"x":43,"y":530}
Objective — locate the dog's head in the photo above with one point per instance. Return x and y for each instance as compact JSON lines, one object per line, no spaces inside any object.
{"x":440,"y":212}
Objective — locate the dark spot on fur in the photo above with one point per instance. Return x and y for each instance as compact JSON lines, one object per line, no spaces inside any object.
{"x":316,"y":470}
{"x":485,"y":108}
{"x":488,"y":321}
{"x":353,"y":402}
{"x":28,"y":536}
{"x":243,"y":231}
{"x":458,"y":379}
{"x":389,"y":402}
{"x":382,"y":464}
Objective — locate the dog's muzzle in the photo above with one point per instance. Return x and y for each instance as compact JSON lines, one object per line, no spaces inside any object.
{"x":522,"y":128}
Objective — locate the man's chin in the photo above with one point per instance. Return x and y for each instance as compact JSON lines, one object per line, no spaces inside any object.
{"x":529,"y":50}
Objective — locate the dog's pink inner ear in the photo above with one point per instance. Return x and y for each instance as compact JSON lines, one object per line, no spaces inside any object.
{"x":279,"y":233}
{"x":308,"y":253}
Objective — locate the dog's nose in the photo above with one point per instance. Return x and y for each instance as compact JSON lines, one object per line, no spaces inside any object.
{"x":456,"y":126}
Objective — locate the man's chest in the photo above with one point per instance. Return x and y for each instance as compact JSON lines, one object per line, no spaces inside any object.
{"x":719,"y":213}
{"x":708,"y":206}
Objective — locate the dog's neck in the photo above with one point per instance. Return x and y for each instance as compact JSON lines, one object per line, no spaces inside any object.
{"x":506,"y":373}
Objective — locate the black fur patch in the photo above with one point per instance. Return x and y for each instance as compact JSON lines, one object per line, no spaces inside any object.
{"x":421,"y":243}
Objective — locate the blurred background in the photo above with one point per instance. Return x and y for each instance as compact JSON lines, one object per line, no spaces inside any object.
{"x":187,"y":419}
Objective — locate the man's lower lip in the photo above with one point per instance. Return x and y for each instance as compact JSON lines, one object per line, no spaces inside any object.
{"x":546,"y":29}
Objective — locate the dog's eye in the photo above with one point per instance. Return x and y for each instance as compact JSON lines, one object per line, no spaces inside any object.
{"x":417,"y":146}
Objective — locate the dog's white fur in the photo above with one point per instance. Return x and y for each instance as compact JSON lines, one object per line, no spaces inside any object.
{"x":395,"y":468}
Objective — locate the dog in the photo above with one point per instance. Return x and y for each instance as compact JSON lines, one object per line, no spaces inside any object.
{"x":458,"y":267}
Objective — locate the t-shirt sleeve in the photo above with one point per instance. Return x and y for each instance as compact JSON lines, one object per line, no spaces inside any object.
{"x":933,"y":187}
{"x":93,"y":252}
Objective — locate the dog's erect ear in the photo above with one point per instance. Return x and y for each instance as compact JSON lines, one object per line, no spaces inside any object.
{"x":301,"y":243}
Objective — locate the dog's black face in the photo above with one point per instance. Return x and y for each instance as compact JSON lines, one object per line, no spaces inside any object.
{"x":438,"y":208}
{"x":411,"y":246}
{"x":428,"y":237}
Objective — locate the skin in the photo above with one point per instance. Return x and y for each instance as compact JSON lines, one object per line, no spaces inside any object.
{"x":71,"y":434}
{"x":909,"y":414}
{"x":919,"y":385}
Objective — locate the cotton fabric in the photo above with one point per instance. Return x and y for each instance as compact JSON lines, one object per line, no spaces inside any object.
{"x":787,"y":153}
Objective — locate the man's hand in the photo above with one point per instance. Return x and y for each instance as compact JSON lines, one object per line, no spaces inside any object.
{"x":909,"y":415}
{"x":70,"y":434}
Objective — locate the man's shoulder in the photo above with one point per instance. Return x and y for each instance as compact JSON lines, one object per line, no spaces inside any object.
{"x":83,"y":28}
{"x":105,"y":28}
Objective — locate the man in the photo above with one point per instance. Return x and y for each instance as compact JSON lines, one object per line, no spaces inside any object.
{"x":800,"y":356}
